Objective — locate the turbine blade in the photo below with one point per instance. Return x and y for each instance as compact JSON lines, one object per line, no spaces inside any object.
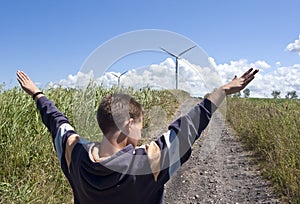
{"x":115,"y":75}
{"x":124,"y":73}
{"x":186,"y":50}
{"x":169,"y":52}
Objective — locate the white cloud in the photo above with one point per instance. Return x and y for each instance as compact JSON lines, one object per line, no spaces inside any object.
{"x":196,"y":79}
{"x":80,"y":80}
{"x":295,"y":46}
{"x":228,"y":71}
{"x":280,"y":78}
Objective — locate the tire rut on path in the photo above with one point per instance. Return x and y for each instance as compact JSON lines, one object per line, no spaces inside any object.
{"x":219,"y":170}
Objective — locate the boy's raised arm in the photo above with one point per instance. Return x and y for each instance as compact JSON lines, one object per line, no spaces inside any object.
{"x":51,"y":116}
{"x":57,"y":123}
{"x":186,"y":129}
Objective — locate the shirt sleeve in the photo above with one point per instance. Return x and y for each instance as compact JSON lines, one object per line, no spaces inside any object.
{"x":176,"y":144}
{"x":57,"y":123}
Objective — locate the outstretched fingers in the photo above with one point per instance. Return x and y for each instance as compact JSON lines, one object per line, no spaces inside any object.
{"x":255,"y":72}
{"x":248,"y":80}
{"x":21,"y":77}
{"x":27,"y":85}
{"x":247,"y":73}
{"x":249,"y":76}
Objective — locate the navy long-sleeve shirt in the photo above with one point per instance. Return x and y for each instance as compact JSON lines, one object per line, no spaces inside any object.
{"x":132,"y":175}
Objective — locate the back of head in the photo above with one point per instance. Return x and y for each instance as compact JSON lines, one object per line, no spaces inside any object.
{"x":115,"y":109}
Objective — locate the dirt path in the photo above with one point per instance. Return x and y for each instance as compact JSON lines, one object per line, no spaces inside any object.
{"x":219,"y":171}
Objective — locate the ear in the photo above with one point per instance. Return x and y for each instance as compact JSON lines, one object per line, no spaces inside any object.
{"x":130,"y":123}
{"x":128,"y":126}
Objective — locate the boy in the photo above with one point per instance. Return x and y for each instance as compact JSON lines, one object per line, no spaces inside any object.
{"x":116,"y":170}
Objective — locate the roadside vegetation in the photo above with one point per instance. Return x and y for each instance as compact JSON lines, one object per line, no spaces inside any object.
{"x":271,"y":128}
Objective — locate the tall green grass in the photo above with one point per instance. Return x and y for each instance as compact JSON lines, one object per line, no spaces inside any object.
{"x":271,"y":127}
{"x":29,"y":169}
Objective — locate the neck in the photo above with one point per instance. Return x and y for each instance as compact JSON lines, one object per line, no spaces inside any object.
{"x":112,"y":143}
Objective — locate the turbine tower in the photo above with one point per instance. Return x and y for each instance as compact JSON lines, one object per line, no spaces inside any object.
{"x":119,"y":76}
{"x":177,"y":57}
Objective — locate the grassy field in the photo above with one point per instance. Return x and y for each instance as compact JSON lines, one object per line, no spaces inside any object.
{"x":271,"y":128}
{"x":29,"y":169}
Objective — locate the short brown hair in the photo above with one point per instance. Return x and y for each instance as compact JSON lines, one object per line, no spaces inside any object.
{"x":114,"y":109}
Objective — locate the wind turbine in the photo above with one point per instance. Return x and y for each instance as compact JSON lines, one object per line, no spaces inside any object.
{"x":119,"y":76}
{"x":177,"y":57}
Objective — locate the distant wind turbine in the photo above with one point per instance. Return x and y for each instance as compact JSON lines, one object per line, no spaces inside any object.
{"x":177,"y":57}
{"x":119,"y":76}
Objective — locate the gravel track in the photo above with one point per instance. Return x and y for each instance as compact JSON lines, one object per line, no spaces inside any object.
{"x":219,"y":170}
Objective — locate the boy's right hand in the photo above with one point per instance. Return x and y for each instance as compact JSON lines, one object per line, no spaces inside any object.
{"x":239,"y":83}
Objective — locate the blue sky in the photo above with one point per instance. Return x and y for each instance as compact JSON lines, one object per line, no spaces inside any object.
{"x":51,"y":39}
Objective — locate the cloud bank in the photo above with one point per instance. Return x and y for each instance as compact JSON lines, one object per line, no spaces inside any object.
{"x":194,"y":79}
{"x":198,"y":80}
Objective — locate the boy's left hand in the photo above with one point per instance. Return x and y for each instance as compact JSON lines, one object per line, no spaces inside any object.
{"x":27,"y":85}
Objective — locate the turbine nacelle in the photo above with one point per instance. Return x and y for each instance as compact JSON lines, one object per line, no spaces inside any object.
{"x":177,"y":57}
